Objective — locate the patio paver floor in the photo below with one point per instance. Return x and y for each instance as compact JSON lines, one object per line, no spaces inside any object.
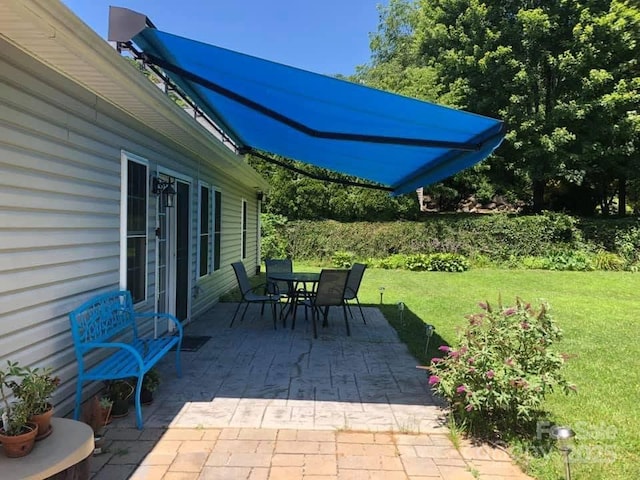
{"x":257,"y":403}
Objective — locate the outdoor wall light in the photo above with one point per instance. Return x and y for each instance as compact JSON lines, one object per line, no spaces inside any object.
{"x":165,"y":190}
{"x":564,"y":438}
{"x":260,"y":196}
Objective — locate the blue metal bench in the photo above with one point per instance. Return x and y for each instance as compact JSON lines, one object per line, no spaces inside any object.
{"x":108,"y":323}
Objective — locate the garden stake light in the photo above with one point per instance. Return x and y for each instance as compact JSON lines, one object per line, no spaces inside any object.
{"x":401,"y":310}
{"x":381,"y":290}
{"x":564,"y":437}
{"x":429,"y":331}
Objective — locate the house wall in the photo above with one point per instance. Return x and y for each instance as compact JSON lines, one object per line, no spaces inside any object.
{"x":60,"y":190}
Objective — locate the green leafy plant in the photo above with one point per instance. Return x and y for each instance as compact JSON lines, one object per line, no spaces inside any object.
{"x":343,"y":259}
{"x":151,"y":380}
{"x":118,"y":390}
{"x":35,"y":388}
{"x":497,"y":377}
{"x":15,"y":415}
{"x":437,"y":262}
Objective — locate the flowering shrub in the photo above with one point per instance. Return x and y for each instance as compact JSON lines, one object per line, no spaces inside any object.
{"x":497,"y":377}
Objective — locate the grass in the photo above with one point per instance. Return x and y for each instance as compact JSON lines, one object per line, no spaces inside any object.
{"x":598,"y":313}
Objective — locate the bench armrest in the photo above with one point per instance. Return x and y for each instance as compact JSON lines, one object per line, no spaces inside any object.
{"x":120,"y":346}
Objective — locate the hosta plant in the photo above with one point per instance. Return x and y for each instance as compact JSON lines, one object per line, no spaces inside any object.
{"x":496,"y":378}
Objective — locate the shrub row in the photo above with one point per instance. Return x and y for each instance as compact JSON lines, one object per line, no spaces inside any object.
{"x":494,"y":238}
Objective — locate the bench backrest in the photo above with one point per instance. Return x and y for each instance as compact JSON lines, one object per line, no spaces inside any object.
{"x":102,"y":318}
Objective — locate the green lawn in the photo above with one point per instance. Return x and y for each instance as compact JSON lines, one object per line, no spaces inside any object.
{"x":598,"y":313}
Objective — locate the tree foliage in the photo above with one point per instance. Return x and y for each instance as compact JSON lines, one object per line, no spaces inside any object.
{"x":298,"y":197}
{"x":563,"y":75}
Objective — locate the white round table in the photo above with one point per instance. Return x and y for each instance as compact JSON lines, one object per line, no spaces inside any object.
{"x":70,"y":443}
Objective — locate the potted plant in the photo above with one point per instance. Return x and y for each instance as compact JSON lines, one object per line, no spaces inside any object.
{"x":35,"y":390}
{"x":150,"y":383}
{"x":17,"y":434}
{"x":97,"y":413}
{"x":119,"y":392}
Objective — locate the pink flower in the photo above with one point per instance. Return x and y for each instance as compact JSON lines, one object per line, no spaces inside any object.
{"x":436,"y":360}
{"x":525,"y":326}
{"x":509,"y":362}
{"x":483,"y":306}
{"x":464,"y":350}
{"x":468,"y":408}
{"x":433,"y":379}
{"x":454,"y":354}
{"x":490,"y":374}
{"x":509,"y":311}
{"x":472,"y":370}
{"x":444,"y":348}
{"x":471,"y":360}
{"x":461,"y":389}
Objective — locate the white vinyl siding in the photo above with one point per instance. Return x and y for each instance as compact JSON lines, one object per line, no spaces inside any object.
{"x":60,"y":211}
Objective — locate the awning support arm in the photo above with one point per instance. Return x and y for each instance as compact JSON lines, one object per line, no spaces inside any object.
{"x":324,"y":178}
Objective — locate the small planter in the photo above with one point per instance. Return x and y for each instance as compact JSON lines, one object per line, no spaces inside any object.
{"x":146,"y":396}
{"x":16,"y":446}
{"x":120,"y":408}
{"x":44,"y":423}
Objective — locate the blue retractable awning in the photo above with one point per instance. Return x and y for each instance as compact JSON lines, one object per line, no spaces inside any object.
{"x":396,"y":141}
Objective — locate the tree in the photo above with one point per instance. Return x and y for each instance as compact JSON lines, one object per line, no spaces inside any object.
{"x":563,"y":75}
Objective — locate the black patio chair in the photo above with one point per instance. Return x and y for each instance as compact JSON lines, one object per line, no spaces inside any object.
{"x":275,"y":287}
{"x":353,"y":285}
{"x":249,"y":295}
{"x":329,"y":293}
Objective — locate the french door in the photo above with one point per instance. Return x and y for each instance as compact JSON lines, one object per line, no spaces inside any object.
{"x":172,"y":242}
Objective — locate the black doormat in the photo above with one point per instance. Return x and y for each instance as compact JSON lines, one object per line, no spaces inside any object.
{"x":192,"y":343}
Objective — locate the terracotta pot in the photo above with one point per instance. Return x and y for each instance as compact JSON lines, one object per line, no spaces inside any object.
{"x":15,"y":446}
{"x":44,"y":423}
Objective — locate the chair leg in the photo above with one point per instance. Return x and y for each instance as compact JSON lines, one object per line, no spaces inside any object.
{"x":314,"y":314}
{"x":346,"y":319}
{"x":245,"y":312}
{"x":349,"y":308}
{"x":325,"y":317}
{"x":137,"y":403}
{"x":234,"y":314}
{"x":361,"y":312}
{"x":273,"y":312}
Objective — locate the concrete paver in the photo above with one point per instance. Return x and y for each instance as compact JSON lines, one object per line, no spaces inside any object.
{"x":262,"y":404}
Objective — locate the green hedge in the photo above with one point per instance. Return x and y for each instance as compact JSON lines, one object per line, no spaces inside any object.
{"x":497,"y":238}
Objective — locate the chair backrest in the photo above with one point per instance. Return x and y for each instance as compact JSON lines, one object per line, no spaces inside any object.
{"x":331,"y":287}
{"x":355,"y":278}
{"x":241,"y":276}
{"x":273,"y":265}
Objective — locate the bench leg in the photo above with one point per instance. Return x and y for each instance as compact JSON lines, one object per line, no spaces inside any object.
{"x":76,"y":412}
{"x":178,"y":364}
{"x":138,"y":405}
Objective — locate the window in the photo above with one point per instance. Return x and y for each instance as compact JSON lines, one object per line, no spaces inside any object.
{"x":217,"y":229}
{"x":204,"y":232}
{"x":244,"y":229}
{"x":136,"y":228}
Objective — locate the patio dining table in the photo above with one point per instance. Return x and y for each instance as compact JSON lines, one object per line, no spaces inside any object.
{"x":301,"y":285}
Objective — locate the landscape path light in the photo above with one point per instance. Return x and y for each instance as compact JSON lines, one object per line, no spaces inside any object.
{"x":564,"y":439}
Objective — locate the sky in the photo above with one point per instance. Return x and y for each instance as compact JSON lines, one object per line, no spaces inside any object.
{"x":323,"y":36}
